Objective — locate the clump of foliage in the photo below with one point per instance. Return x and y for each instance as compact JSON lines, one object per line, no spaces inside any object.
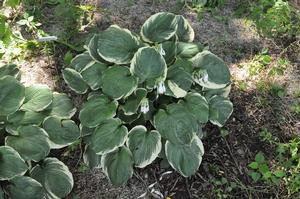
{"x":273,"y":18}
{"x":200,"y":6}
{"x":149,"y":96}
{"x":284,"y":169}
{"x":33,"y":120}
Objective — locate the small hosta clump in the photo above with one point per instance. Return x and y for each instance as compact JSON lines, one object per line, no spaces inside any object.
{"x":149,"y":95}
{"x":33,"y":120}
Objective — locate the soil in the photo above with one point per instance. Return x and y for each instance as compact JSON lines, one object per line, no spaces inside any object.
{"x":237,"y":42}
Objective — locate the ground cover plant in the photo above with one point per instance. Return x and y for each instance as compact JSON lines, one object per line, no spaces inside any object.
{"x":33,"y":120}
{"x":149,"y":96}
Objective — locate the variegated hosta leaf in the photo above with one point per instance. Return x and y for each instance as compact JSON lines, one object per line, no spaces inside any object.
{"x":224,"y":92}
{"x":23,"y":187}
{"x":26,"y":118}
{"x":184,"y":30}
{"x":11,"y":164}
{"x":90,"y":158}
{"x":148,"y":64}
{"x":159,"y":27}
{"x":92,"y":74}
{"x":128,"y":119}
{"x":12,"y":95}
{"x":85,"y":131}
{"x":81,"y":61}
{"x":170,"y":51}
{"x":9,"y":69}
{"x":55,"y":177}
{"x":61,"y":132}
{"x":62,"y":106}
{"x":117,"y":45}
{"x":211,"y":72}
{"x":179,"y":79}
{"x":118,"y":165}
{"x":220,"y":109}
{"x":133,"y":102}
{"x":32,"y":143}
{"x":188,"y":50}
{"x":75,"y":80}
{"x":185,"y":159}
{"x":96,"y":110}
{"x":197,"y":105}
{"x":118,"y":82}
{"x":176,"y":124}
{"x":145,"y":146}
{"x":93,"y":49}
{"x":37,"y":98}
{"x":108,"y":136}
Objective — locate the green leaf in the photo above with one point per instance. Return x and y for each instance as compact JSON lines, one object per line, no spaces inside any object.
{"x":118,"y":82}
{"x":75,"y":80}
{"x":279,"y":174}
{"x":220,"y":109}
{"x":26,"y":117}
{"x":176,"y":124}
{"x":197,"y":105}
{"x":108,"y":136}
{"x":55,"y":177}
{"x":11,"y":3}
{"x":179,"y":80}
{"x":12,"y":95}
{"x":61,"y":132}
{"x":92,"y":74}
{"x":174,"y":89}
{"x":253,"y":165}
{"x":170,"y":49}
{"x":9,"y":69}
{"x":90,"y":158}
{"x":212,"y":71}
{"x":263,"y":168}
{"x":224,"y":92}
{"x":148,"y":64}
{"x":255,"y":176}
{"x":117,"y":45}
{"x":145,"y":146}
{"x":134,"y":101}
{"x":37,"y":98}
{"x":159,"y":27}
{"x":62,"y":106}
{"x":184,"y":30}
{"x":85,"y":131}
{"x":11,"y":164}
{"x":188,"y":50}
{"x":23,"y":187}
{"x":81,"y":61}
{"x":118,"y":165}
{"x":96,"y":110}
{"x":185,"y":159}
{"x":127,"y":118}
{"x":260,"y":158}
{"x":32,"y":143}
{"x":93,"y":49}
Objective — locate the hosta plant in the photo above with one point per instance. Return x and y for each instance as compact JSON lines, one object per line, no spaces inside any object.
{"x":33,"y":120}
{"x":148,"y":95}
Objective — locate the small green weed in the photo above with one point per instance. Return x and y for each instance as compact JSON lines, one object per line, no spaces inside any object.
{"x":223,"y":188}
{"x":285,"y":168}
{"x":259,"y":63}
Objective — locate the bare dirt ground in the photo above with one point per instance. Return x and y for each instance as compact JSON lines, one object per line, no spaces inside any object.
{"x":236,"y":42}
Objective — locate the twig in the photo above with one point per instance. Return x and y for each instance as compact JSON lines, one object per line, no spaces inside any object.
{"x":187,"y":187}
{"x":235,"y":162}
